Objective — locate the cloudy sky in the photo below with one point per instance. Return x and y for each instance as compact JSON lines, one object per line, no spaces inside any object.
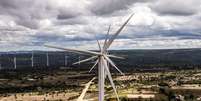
{"x":157,"y":24}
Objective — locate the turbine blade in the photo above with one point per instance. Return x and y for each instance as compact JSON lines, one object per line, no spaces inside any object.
{"x":114,"y":56}
{"x":85,"y":60}
{"x":86,"y":52}
{"x":93,"y":66}
{"x":84,"y":91}
{"x":117,"y":33}
{"x":110,"y":61}
{"x":98,"y":43}
{"x":110,"y":79}
{"x":106,"y":38}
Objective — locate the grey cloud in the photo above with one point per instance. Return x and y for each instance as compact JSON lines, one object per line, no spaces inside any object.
{"x":62,"y":16}
{"x":12,"y":29}
{"x":72,"y":21}
{"x":146,"y":32}
{"x":177,"y":12}
{"x":180,"y":34}
{"x":177,"y":7}
{"x":13,"y":4}
{"x":83,"y":21}
{"x":27,"y":13}
{"x":65,"y":13}
{"x":30,"y":23}
{"x":51,"y":37}
{"x":174,"y":11}
{"x":105,"y":7}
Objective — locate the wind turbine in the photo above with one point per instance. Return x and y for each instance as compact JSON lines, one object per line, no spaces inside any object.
{"x":103,"y":60}
{"x":0,"y":62}
{"x":32,"y":59}
{"x":65,"y":60}
{"x":47,"y":59}
{"x":15,"y":62}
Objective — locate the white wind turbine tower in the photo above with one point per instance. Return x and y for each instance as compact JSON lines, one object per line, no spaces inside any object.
{"x":47,"y":59}
{"x":0,"y":62}
{"x":15,"y":62}
{"x":65,"y":60}
{"x":103,"y":60}
{"x":32,"y":59}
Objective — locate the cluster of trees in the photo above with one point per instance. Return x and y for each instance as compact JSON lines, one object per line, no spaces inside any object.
{"x":171,"y":95}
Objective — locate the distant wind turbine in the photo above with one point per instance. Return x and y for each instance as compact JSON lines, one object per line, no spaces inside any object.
{"x":0,"y":62}
{"x":47,"y":59}
{"x":32,"y":59}
{"x":103,"y":60}
{"x":66,"y":60}
{"x":15,"y":62}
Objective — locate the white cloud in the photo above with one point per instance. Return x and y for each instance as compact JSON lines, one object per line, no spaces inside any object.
{"x":32,"y":23}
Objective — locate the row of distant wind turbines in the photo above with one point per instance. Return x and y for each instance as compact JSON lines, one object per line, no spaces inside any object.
{"x":103,"y":60}
{"x":32,"y":60}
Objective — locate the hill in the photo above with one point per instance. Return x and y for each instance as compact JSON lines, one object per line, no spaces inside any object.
{"x":134,"y":59}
